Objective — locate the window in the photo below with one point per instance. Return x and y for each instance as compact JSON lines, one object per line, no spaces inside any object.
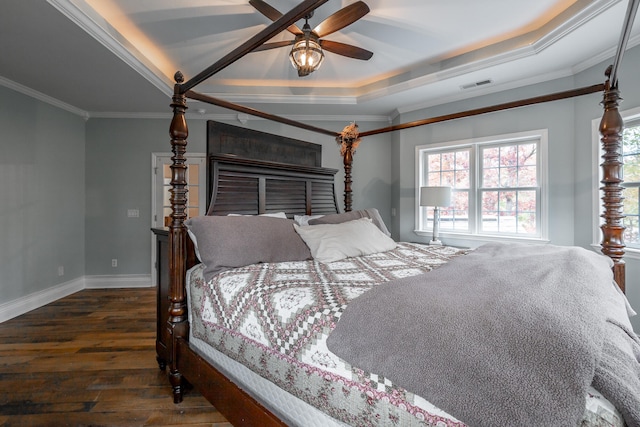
{"x":497,"y":185}
{"x":631,"y":175}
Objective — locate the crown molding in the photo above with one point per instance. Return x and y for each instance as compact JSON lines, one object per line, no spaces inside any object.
{"x":241,"y":118}
{"x":511,"y":50}
{"x":42,"y":97}
{"x":97,"y":27}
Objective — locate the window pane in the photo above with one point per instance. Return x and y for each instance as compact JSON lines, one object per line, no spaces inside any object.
{"x":509,"y":155}
{"x":447,"y":178}
{"x":462,"y":179}
{"x":509,"y":177}
{"x":527,"y":155}
{"x":434,"y":179}
{"x":491,"y":157}
{"x":193,"y":196}
{"x":491,"y":178}
{"x":460,"y":210}
{"x":631,"y":175}
{"x":462,"y":160}
{"x":526,"y":223}
{"x":632,"y":168}
{"x":490,"y":201}
{"x":526,"y":201}
{"x":433,"y":162}
{"x":507,"y":202}
{"x":630,"y":200}
{"x":448,"y":161}
{"x":631,"y":237}
{"x":527,"y":176}
{"x":193,"y":171}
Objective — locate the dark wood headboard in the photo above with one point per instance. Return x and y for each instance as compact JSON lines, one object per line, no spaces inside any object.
{"x":251,"y":172}
{"x":223,"y":138}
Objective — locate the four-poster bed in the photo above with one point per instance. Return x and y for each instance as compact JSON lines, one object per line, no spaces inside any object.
{"x":269,"y":180}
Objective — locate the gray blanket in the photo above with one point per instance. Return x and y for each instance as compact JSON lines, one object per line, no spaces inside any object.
{"x":509,"y":335}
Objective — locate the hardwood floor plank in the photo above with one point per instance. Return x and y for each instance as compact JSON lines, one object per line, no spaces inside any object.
{"x":89,"y":360}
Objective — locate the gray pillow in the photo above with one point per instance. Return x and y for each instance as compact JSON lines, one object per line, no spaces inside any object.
{"x":350,"y":216}
{"x":226,"y":242}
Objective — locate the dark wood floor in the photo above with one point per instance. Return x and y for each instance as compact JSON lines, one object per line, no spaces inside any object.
{"x":89,"y":360}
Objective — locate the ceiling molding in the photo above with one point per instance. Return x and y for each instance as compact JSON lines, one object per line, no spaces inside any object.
{"x":42,"y":97}
{"x":234,"y":117}
{"x":486,"y":90}
{"x":603,"y":56}
{"x":167,"y":116}
{"x":527,"y":45}
{"x":288,"y":99}
{"x":98,"y":28}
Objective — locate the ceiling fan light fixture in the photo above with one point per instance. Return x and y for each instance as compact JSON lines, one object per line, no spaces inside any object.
{"x":306,"y":55}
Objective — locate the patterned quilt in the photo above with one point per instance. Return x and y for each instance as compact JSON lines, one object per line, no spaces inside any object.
{"x":275,"y":318}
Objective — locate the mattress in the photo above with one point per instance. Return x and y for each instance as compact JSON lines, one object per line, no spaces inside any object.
{"x":265,"y":327}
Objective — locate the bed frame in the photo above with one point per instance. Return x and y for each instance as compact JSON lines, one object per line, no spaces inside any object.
{"x":271,"y":180}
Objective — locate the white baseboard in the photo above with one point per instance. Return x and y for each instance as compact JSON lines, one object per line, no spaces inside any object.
{"x":118,"y":281}
{"x":23,"y":305}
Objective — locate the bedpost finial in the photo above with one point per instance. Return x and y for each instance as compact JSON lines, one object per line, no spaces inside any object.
{"x":178,"y":77}
{"x":608,"y":71}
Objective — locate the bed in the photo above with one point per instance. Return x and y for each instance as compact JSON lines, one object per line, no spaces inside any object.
{"x":285,"y":374}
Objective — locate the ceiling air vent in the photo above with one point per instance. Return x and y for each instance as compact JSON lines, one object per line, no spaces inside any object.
{"x":476,"y":84}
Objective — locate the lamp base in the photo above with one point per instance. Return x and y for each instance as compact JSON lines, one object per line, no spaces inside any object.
{"x":435,"y":243}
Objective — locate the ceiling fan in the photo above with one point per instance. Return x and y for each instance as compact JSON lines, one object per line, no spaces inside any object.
{"x":306,"y":55}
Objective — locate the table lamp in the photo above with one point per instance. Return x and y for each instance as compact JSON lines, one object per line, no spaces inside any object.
{"x":436,"y":197}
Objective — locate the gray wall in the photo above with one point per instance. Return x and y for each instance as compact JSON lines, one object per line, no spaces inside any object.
{"x":43,"y":195}
{"x":118,"y":178}
{"x":557,"y":117}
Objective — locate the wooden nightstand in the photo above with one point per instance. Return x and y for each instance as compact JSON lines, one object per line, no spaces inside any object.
{"x":162,"y":287}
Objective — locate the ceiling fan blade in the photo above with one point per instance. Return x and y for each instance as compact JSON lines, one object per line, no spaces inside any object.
{"x":273,"y":14}
{"x":346,"y":50}
{"x":273,"y":45}
{"x":345,"y":16}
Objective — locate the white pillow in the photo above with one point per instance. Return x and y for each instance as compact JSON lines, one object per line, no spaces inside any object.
{"x":273,"y":215}
{"x":304,"y":219}
{"x":333,"y":242}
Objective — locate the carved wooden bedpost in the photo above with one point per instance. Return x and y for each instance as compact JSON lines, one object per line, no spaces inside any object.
{"x":177,"y":324}
{"x":348,"y":140}
{"x":347,"y":158}
{"x":611,"y":127}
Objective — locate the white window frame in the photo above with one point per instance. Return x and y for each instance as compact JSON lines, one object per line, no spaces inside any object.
{"x":598,"y":210}
{"x":474,"y":234}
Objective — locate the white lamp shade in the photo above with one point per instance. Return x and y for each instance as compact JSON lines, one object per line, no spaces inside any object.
{"x":435,"y":196}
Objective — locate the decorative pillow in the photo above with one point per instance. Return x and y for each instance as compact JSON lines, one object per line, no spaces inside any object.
{"x":304,"y":219}
{"x":194,"y":239}
{"x":350,"y":216}
{"x":226,"y":242}
{"x":333,"y":242}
